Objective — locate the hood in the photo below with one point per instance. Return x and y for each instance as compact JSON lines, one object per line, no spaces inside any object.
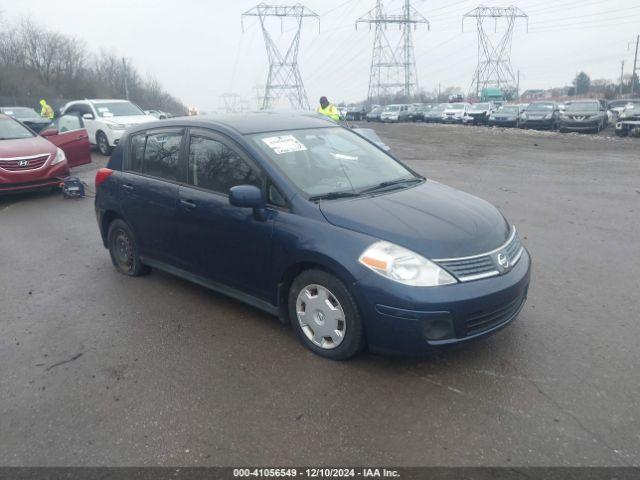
{"x":431,"y":219}
{"x":25,"y":147}
{"x":451,"y":110}
{"x":131,"y":120}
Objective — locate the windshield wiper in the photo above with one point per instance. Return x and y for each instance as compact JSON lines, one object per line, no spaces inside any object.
{"x":333,"y":195}
{"x":391,"y":183}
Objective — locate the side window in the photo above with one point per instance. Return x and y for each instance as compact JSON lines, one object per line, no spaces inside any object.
{"x":275,"y":197}
{"x":161,"y":154}
{"x":216,"y":167}
{"x":83,"y":108}
{"x":136,"y":152}
{"x":69,"y":122}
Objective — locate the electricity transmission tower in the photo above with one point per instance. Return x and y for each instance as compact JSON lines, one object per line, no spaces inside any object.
{"x":393,"y":69}
{"x":494,"y":59}
{"x":230,"y":102}
{"x":283,"y":79}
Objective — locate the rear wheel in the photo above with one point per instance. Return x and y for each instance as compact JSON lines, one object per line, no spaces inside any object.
{"x":103,"y":144}
{"x":325,"y":316}
{"x":124,"y":249}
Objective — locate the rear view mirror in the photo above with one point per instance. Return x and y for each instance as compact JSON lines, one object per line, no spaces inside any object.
{"x":246,"y":196}
{"x":88,"y":116}
{"x":49,"y":132}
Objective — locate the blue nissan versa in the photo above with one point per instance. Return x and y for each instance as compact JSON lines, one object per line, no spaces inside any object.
{"x":313,"y":223}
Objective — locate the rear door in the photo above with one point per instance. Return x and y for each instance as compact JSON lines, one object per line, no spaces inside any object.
{"x":151,"y":173}
{"x":72,"y":139}
{"x":221,"y":242}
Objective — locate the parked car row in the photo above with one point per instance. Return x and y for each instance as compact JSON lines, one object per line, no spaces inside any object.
{"x":585,"y":115}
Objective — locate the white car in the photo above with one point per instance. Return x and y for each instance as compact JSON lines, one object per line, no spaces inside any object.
{"x":106,"y":120}
{"x":455,"y":112}
{"x":395,"y":113}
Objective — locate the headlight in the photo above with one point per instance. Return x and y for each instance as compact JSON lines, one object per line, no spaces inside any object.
{"x":548,"y":116}
{"x":60,"y":157}
{"x":116,"y":126}
{"x":404,"y":266}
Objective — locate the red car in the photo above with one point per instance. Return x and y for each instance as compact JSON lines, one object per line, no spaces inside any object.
{"x":29,"y":161}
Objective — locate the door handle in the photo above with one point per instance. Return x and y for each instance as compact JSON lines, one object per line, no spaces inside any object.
{"x":187,"y":204}
{"x":128,"y":187}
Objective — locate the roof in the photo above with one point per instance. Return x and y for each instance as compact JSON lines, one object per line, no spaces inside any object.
{"x":256,"y":122}
{"x":110,"y":100}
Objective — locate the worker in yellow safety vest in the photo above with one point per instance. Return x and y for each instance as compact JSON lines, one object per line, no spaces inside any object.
{"x":47,"y":111}
{"x":328,"y":109}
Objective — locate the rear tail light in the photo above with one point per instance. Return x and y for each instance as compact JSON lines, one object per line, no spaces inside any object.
{"x":102,"y":175}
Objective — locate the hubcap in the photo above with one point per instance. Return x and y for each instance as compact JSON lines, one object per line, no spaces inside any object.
{"x":102,"y":143}
{"x":122,"y":250}
{"x":321,"y":316}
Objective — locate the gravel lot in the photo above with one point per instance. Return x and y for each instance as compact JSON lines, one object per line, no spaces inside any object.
{"x":99,"y":369}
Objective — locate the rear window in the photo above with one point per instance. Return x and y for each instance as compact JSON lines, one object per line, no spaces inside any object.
{"x":156,"y":154}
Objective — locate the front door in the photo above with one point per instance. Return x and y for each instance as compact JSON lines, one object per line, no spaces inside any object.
{"x":223,"y":243}
{"x":72,"y":139}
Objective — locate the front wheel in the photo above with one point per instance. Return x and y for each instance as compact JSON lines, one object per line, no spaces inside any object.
{"x":123,"y":249}
{"x":325,"y":315}
{"x":103,"y":144}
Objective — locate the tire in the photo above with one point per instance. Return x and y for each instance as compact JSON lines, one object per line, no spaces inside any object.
{"x":103,"y":144}
{"x":123,"y":249}
{"x":562,"y":130}
{"x":333,"y":306}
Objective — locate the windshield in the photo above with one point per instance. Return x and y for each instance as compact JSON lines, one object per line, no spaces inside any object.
{"x":20,"y":112}
{"x":542,"y":107}
{"x":11,"y":130}
{"x":583,"y":107}
{"x":481,"y":106}
{"x":456,"y":106}
{"x":393,"y":108}
{"x":117,"y":109}
{"x":508,"y":110}
{"x":332,"y":160}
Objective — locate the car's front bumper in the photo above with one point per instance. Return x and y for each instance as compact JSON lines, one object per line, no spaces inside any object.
{"x":451,"y":119}
{"x":475,"y":119}
{"x":27,"y":180}
{"x":579,"y":126}
{"x":538,"y":123}
{"x":503,"y":123}
{"x":402,"y":319}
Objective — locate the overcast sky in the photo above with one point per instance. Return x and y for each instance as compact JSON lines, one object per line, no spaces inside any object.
{"x":198,"y":51}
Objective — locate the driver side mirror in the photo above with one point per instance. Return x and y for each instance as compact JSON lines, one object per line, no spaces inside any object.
{"x":88,"y":116}
{"x":49,"y":132}
{"x":246,"y":196}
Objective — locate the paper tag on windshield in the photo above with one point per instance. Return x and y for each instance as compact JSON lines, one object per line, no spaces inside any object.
{"x":103,"y":109}
{"x":284,"y":144}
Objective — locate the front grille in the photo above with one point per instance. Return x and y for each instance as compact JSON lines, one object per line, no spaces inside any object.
{"x":483,"y":321}
{"x":17,"y":165}
{"x":485,"y":265}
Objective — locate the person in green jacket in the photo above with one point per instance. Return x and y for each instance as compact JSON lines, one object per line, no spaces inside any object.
{"x":328,"y":109}
{"x":47,"y":111}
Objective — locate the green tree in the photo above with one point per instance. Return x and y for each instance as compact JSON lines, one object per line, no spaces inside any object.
{"x":582,"y":84}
